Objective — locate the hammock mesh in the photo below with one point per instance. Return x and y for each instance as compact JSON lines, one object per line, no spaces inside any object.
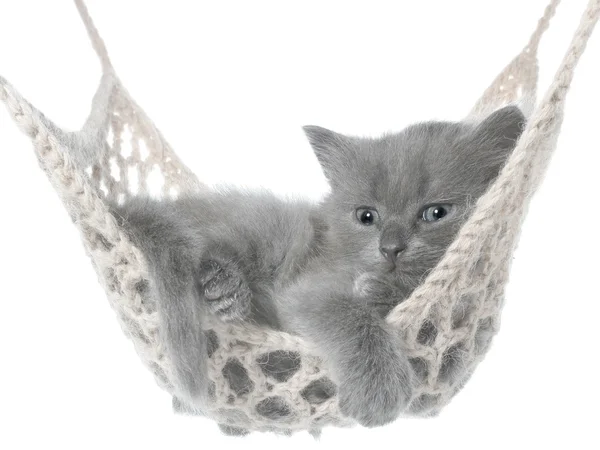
{"x":446,"y":325}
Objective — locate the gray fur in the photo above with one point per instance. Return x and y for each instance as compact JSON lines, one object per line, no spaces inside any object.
{"x":315,"y":270}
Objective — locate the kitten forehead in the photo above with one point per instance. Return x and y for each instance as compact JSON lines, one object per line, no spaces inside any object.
{"x":425,"y":162}
{"x":430,"y":143}
{"x":412,"y":165}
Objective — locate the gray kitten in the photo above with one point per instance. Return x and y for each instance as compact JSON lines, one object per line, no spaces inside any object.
{"x":329,"y":272}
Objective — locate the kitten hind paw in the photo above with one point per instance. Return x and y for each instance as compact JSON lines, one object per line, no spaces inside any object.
{"x":225,"y":290}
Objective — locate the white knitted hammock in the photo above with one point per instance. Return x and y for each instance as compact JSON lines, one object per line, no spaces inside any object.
{"x":447,"y":323}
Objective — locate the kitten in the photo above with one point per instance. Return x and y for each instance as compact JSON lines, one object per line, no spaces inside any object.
{"x":329,"y":272}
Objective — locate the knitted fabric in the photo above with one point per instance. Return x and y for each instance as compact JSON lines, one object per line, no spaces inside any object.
{"x":446,"y":325}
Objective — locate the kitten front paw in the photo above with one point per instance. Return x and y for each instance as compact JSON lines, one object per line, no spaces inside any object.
{"x":225,"y":290}
{"x":380,"y":292}
{"x":377,"y":388}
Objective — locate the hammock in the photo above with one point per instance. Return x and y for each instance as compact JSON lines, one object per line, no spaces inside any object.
{"x":446,"y":325}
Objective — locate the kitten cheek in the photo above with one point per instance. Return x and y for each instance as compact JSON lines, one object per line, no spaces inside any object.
{"x":417,"y":244}
{"x":415,"y":247}
{"x":371,"y":253}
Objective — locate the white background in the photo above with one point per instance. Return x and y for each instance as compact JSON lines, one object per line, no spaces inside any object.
{"x":230,"y":84}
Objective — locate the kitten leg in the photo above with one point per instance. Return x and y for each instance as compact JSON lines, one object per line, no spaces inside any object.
{"x":376,"y":377}
{"x":363,"y":352}
{"x":169,"y":254}
{"x":222,"y":284}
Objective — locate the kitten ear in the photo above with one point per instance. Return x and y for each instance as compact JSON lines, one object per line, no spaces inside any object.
{"x":502,"y":128}
{"x":496,"y":136}
{"x":331,"y":149}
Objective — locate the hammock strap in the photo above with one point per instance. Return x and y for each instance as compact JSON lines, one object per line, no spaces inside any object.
{"x":549,"y":114}
{"x":565,"y":73}
{"x":100,"y":47}
{"x":95,"y":38}
{"x":517,"y":83}
{"x":542,"y":26}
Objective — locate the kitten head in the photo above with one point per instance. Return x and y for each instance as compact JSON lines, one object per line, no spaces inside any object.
{"x":397,"y":202}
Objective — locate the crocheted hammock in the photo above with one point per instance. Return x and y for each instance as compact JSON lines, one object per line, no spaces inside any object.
{"x":448,"y":322}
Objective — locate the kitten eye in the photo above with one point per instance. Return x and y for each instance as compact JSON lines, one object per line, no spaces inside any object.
{"x":435,"y":213}
{"x":366,"y":216}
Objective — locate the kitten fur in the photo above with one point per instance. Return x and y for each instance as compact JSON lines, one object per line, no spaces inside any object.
{"x":314,"y":269}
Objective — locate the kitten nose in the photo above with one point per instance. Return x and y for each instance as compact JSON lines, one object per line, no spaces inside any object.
{"x":391,"y":252}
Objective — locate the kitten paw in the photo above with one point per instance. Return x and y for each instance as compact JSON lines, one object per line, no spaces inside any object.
{"x":377,"y":390}
{"x":376,"y":403}
{"x":224,"y":289}
{"x":380,"y":292}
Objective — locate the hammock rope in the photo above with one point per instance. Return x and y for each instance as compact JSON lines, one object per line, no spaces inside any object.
{"x":95,"y":38}
{"x":519,"y":78}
